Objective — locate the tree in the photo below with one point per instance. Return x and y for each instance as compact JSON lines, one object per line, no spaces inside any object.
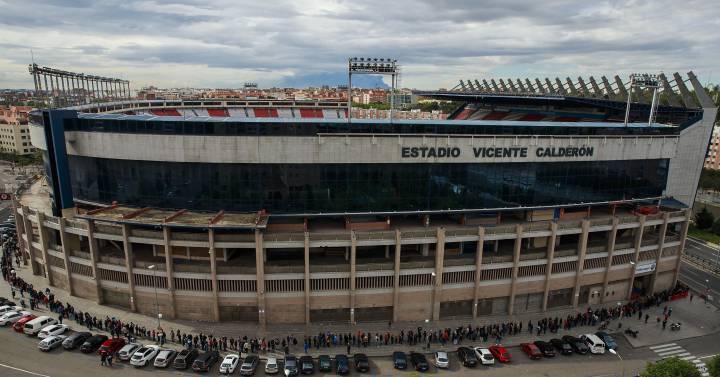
{"x":704,"y":219}
{"x":713,"y":366}
{"x":672,"y":367}
{"x":716,"y":227}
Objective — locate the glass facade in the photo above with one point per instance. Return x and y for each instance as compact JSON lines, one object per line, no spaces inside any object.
{"x":304,"y":188}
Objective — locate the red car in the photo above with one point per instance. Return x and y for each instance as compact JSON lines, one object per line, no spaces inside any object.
{"x":20,"y":324}
{"x":111,"y":346}
{"x":531,"y":350}
{"x":500,"y":353}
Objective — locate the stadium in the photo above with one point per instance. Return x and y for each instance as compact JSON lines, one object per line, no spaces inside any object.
{"x":533,"y":195}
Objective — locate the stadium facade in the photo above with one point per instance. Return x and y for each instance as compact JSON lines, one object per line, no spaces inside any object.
{"x":287,"y":212}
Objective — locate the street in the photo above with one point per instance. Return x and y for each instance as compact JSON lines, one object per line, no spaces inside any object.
{"x":696,"y":278}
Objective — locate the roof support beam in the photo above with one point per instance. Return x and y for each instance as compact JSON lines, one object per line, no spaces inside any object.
{"x":670,"y":95}
{"x":135,"y":213}
{"x":174,"y":216}
{"x":95,"y":211}
{"x":217,"y":217}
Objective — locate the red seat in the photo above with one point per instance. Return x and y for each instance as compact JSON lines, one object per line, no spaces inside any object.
{"x":566,"y":119}
{"x":532,"y":117}
{"x":218,"y":112}
{"x":464,"y":114}
{"x":311,"y":113}
{"x":166,"y":112}
{"x":265,"y":113}
{"x":495,"y":115}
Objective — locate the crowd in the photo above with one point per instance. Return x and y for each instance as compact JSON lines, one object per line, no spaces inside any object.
{"x":417,"y":336}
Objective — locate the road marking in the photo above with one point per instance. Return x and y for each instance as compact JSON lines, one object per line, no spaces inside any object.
{"x":673,"y":348}
{"x":707,"y":356}
{"x":673,"y":352}
{"x":662,"y":346}
{"x":686,"y":357}
{"x":23,"y":370}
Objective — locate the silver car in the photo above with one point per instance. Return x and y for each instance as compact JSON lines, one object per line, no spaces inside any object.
{"x":50,"y":342}
{"x":128,"y":350}
{"x":164,"y":358}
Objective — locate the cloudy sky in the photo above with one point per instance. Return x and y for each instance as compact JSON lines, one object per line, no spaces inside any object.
{"x":223,"y":43}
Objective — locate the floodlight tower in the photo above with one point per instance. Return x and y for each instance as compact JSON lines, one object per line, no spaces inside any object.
{"x":373,"y":66}
{"x":643,"y":81}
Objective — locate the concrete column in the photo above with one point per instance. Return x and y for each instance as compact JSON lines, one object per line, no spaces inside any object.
{"x":425,"y":249}
{"x":637,"y":244}
{"x":516,"y":261}
{"x":611,"y":251}
{"x":307,"y":277}
{"x":169,"y":268}
{"x":27,"y":226}
{"x":213,"y":274}
{"x":66,"y":248}
{"x":20,"y":226}
{"x":548,"y":266}
{"x":353,"y":256}
{"x":661,"y":245}
{"x":387,"y":251}
{"x":92,"y":244}
{"x":42,"y":233}
{"x":582,"y":246}
{"x":478,"y":269}
{"x":439,"y":261}
{"x":127,"y":247}
{"x":260,"y":282}
{"x":683,"y":239}
{"x":396,"y":277}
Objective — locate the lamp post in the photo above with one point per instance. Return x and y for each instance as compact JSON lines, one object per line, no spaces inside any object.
{"x":157,"y":303}
{"x":622,"y":361}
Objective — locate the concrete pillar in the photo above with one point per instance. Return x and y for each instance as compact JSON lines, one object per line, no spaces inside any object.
{"x":637,"y":243}
{"x":29,"y":235}
{"x":213,"y":274}
{"x":439,"y":261}
{"x":683,"y":239}
{"x":478,"y":269}
{"x":307,"y":277}
{"x":611,"y":251}
{"x":42,"y":233}
{"x":425,"y":249}
{"x":347,"y":253}
{"x":496,"y":246}
{"x":127,"y":247}
{"x":548,"y":266}
{"x":169,"y":268}
{"x":260,"y":282}
{"x":582,"y":251}
{"x":20,"y":226}
{"x":516,"y":261}
{"x":661,"y":245}
{"x":93,"y":245}
{"x":353,"y":256}
{"x":387,"y":251}
{"x":66,"y":248}
{"x":396,"y":277}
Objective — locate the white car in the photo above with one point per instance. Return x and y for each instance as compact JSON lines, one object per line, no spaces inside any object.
{"x":128,"y":350}
{"x":596,"y":345}
{"x":164,"y":358}
{"x":484,"y":355}
{"x":51,"y":342}
{"x":229,"y":364}
{"x":7,"y":308}
{"x":11,"y":317}
{"x":441,"y":359}
{"x":52,"y":330}
{"x":271,"y":365}
{"x":141,"y":357}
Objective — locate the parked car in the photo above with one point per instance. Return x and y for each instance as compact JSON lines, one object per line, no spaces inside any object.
{"x":9,"y":308}
{"x":229,"y":363}
{"x":594,"y":343}
{"x":579,"y":346}
{"x":545,"y":348}
{"x":205,"y":361}
{"x":56,"y":329}
{"x":607,"y":339}
{"x":271,"y":365}
{"x":342,"y":364}
{"x":307,"y":366}
{"x":467,"y":357}
{"x":399,"y":360}
{"x":19,"y":325}
{"x":110,"y":346}
{"x":441,"y":360}
{"x":484,"y":355}
{"x":362,"y":364}
{"x":185,"y":358}
{"x":290,"y":367}
{"x":128,"y":350}
{"x":562,"y":346}
{"x":164,"y":358}
{"x":75,"y":340}
{"x":34,"y":327}
{"x":93,"y":343}
{"x":143,"y":355}
{"x":50,"y":342}
{"x":500,"y":353}
{"x":419,"y":362}
{"x":11,"y":317}
{"x":531,"y":350}
{"x":324,"y":363}
{"x":249,"y":365}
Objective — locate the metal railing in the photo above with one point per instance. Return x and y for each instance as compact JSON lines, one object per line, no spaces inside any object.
{"x":709,"y":265}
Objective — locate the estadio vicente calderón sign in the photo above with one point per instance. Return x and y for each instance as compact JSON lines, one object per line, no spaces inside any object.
{"x":497,"y":152}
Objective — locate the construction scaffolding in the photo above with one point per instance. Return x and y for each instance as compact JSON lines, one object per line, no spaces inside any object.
{"x":63,"y":89}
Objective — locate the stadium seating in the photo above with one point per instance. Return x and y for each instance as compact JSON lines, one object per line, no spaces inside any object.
{"x":311,"y":113}
{"x":285,"y":112}
{"x":532,"y":117}
{"x":330,"y":114}
{"x":201,"y":112}
{"x":464,"y":114}
{"x":566,"y":119}
{"x":238,"y":113}
{"x":218,"y":112}
{"x":165,"y":112}
{"x":264,"y":113}
{"x":496,"y":115}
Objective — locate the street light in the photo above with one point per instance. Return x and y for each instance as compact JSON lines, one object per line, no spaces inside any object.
{"x":157,"y":303}
{"x":622,"y":361}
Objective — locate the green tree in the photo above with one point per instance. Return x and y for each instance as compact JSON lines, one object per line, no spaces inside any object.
{"x":716,"y":227}
{"x":672,"y":367}
{"x":704,"y":219}
{"x":713,"y":366}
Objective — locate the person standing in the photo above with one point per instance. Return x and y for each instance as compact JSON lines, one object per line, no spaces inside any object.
{"x":102,"y":360}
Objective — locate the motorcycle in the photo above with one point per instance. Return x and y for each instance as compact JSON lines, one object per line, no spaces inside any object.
{"x":675,"y":326}
{"x":632,"y":333}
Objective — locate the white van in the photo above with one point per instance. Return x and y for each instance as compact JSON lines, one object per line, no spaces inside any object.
{"x":33,"y":327}
{"x":596,"y":345}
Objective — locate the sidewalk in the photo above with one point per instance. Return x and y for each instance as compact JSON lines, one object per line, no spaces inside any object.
{"x":697,"y":319}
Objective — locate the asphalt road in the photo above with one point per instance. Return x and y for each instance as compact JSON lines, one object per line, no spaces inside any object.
{"x":700,"y":249}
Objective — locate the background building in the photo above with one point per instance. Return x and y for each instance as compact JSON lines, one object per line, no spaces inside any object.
{"x":14,"y":132}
